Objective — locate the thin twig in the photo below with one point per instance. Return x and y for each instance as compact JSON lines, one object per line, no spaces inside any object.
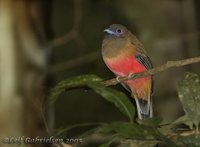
{"x":90,"y":57}
{"x":153,"y":71}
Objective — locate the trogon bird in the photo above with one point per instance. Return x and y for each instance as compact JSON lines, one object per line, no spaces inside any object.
{"x":124,"y":55}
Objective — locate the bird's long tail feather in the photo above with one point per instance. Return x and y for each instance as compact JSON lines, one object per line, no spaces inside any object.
{"x":144,"y":108}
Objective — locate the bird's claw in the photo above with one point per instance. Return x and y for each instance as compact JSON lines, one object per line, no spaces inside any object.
{"x":130,"y":75}
{"x":117,"y":78}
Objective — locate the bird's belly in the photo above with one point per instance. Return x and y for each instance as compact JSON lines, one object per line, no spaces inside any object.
{"x":141,"y":87}
{"x":125,"y":66}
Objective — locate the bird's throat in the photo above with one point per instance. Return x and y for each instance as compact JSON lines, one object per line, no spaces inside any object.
{"x":111,"y":47}
{"x":116,"y":47}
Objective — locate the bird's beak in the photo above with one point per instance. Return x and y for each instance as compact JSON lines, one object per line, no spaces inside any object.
{"x":109,"y":31}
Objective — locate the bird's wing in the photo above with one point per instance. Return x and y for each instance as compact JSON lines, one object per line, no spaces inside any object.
{"x":137,"y":45}
{"x":144,"y":60}
{"x":140,"y":56}
{"x":141,"y":53}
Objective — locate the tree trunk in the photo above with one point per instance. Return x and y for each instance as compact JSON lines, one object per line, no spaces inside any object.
{"x":23,"y":66}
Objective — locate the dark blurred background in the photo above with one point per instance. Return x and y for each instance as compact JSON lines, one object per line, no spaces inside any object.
{"x":168,"y":29}
{"x":46,"y":41}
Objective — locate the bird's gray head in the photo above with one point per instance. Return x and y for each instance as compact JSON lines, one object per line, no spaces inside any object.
{"x":116,"y":30}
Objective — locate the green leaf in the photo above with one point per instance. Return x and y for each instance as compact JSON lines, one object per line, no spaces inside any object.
{"x":59,"y":132}
{"x":120,"y":100}
{"x":189,"y":141}
{"x":134,"y":131}
{"x":183,"y":120}
{"x":72,"y":82}
{"x":128,"y":130}
{"x":107,"y":144}
{"x":154,"y":122}
{"x":139,"y":143}
{"x":189,"y":95}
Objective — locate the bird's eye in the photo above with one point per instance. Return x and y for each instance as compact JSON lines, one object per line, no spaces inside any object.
{"x":119,"y":31}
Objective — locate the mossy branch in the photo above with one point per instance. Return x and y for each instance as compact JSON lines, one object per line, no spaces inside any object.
{"x":153,"y":71}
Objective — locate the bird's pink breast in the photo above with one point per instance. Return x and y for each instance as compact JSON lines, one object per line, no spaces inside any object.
{"x":125,"y":66}
{"x":141,"y":87}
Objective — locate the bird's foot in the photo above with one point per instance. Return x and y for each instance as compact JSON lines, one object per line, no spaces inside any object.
{"x":130,"y":75}
{"x":118,"y":80}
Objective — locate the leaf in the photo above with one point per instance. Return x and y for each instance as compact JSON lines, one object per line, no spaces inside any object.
{"x":154,"y":122}
{"x":189,"y":95}
{"x":134,"y":131}
{"x":71,"y":82}
{"x":128,"y":130}
{"x":139,"y":143}
{"x":183,"y":120}
{"x":59,"y":132}
{"x":107,"y":144}
{"x":190,"y":141}
{"x":120,"y":100}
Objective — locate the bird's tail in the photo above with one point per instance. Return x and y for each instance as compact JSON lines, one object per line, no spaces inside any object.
{"x":144,"y":108}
